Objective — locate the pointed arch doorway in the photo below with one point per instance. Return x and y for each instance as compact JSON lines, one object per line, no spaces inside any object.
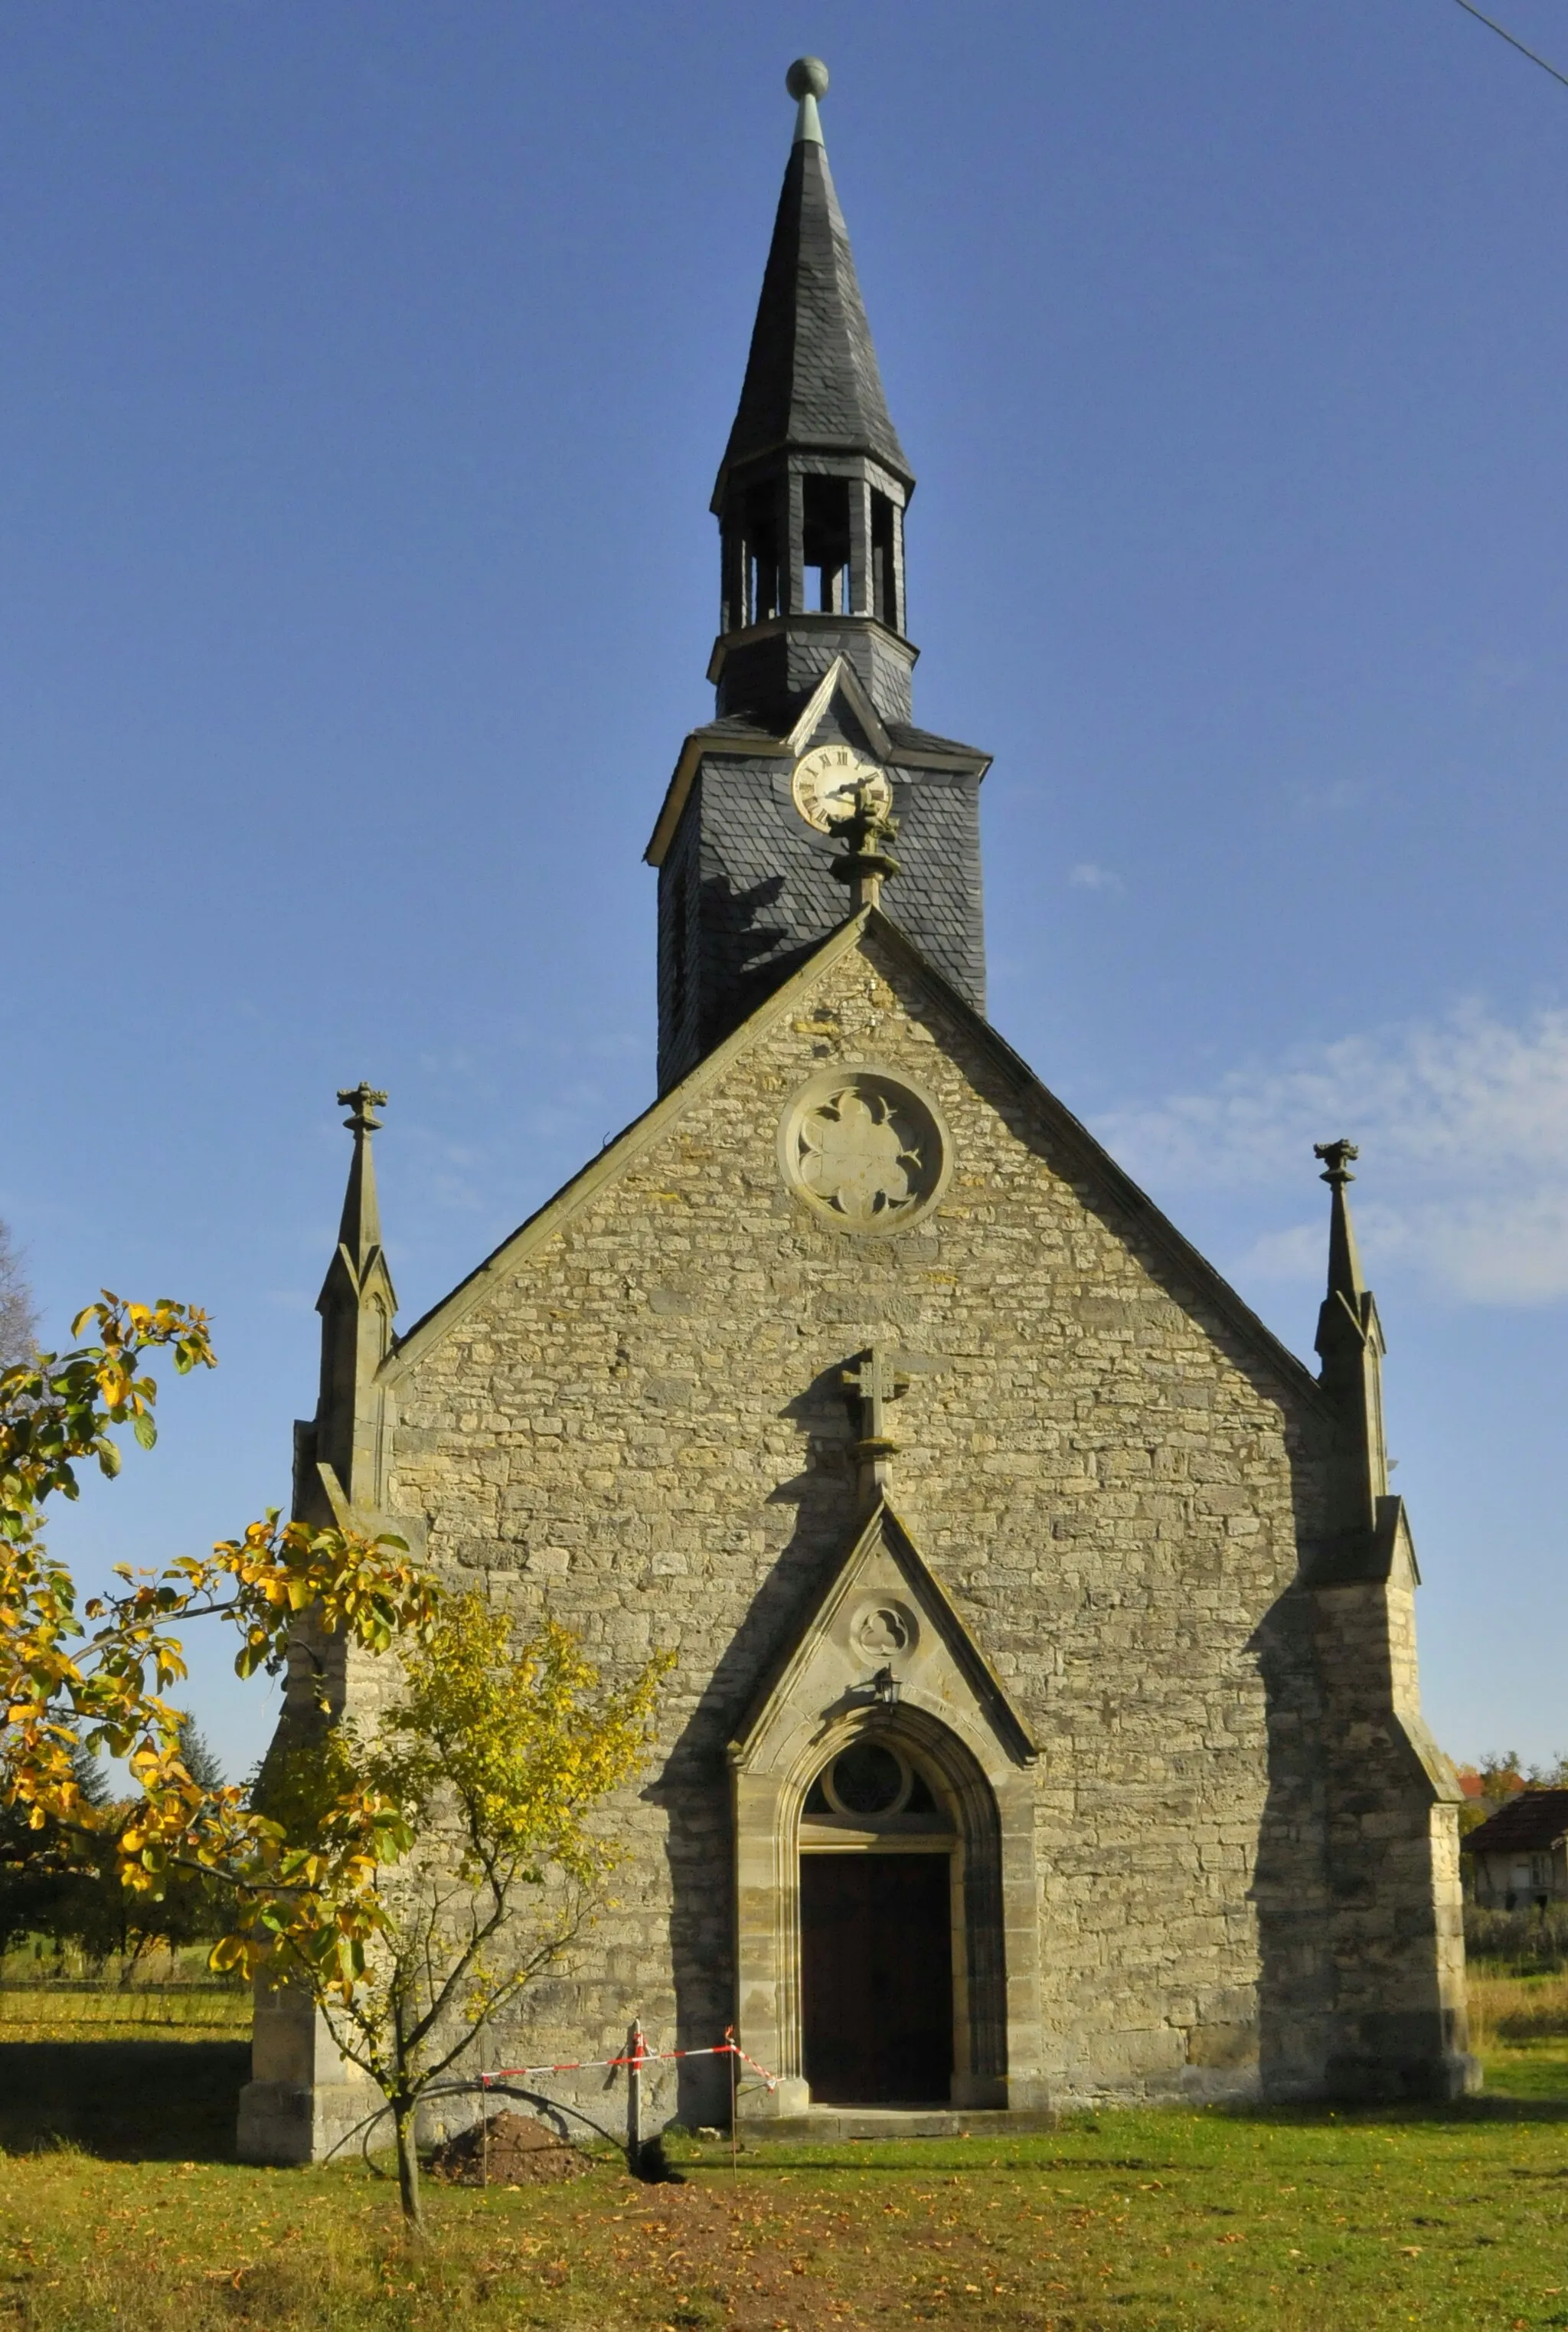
{"x":824,"y":1955}
{"x":877,"y":1878}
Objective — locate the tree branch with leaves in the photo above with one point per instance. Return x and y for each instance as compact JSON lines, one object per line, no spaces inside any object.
{"x":80,"y":1677}
{"x":409,"y":1881}
{"x":498,"y":1757}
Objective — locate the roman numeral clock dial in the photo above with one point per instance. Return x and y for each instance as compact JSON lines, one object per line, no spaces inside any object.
{"x":824,"y":783}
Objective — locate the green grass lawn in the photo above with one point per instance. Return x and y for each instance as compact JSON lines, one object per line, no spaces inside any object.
{"x":1136,"y":2220}
{"x":1532,"y":2068}
{"x":48,"y":2014}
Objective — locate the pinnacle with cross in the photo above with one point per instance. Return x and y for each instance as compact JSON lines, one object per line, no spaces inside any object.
{"x":1336,"y":1157}
{"x":361,"y":1100}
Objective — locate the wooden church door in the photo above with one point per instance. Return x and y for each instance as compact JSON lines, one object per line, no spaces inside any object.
{"x":877,"y":1978}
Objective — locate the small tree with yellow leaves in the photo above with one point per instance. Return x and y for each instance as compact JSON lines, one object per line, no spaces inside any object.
{"x":497,"y":1759}
{"x":82,"y":1676}
{"x":387,"y":1876}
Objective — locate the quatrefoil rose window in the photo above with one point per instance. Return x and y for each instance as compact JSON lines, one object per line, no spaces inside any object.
{"x":864,"y":1149}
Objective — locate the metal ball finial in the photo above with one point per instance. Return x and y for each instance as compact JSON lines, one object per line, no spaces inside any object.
{"x":807,"y":77}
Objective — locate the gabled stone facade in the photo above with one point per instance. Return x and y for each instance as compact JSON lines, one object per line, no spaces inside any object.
{"x":859,"y":1378}
{"x":1231,"y":1864}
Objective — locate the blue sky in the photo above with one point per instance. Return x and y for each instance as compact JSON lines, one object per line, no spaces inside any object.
{"x":367,"y":369}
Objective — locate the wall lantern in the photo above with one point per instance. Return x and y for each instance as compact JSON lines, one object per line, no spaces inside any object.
{"x":886,"y":1688}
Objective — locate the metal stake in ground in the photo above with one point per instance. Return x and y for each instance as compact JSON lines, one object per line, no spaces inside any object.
{"x":634,"y":2054}
{"x":734,"y":2164}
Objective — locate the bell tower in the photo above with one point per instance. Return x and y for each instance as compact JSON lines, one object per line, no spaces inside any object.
{"x":812,"y":665}
{"x":813,"y":485}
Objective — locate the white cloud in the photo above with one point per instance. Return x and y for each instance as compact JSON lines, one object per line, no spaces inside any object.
{"x":1463,"y":1128}
{"x":1088,"y":876}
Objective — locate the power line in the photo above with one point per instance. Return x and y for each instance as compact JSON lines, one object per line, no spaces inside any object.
{"x":1503,"y":34}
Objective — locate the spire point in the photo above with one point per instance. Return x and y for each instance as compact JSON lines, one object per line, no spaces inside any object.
{"x":357,"y":1304}
{"x":806,"y":81}
{"x":1349,"y":1343}
{"x":1345,"y":1277}
{"x":359,"y":1232}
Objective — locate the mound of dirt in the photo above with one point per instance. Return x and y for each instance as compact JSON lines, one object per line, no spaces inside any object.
{"x":509,"y":2149}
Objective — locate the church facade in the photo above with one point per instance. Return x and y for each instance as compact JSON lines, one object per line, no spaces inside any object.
{"x":1044,"y":1725}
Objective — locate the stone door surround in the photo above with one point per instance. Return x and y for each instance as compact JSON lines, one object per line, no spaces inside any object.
{"x":884,"y":1657}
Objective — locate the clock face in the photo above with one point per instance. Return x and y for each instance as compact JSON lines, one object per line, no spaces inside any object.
{"x":825,"y":781}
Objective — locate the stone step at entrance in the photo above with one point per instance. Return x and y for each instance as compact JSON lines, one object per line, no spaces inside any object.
{"x":835,"y":2125}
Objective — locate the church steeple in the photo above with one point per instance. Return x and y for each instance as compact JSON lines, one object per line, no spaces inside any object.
{"x":813,"y":485}
{"x":812,"y":665}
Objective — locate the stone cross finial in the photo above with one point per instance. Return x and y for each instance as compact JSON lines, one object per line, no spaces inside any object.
{"x":874,"y":1381}
{"x":361,"y":1100}
{"x":1336,"y":1157}
{"x":865,"y":831}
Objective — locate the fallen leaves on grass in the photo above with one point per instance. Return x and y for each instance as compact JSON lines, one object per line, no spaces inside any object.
{"x":1140,"y":2221}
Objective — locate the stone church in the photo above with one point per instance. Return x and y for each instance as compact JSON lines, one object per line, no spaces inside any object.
{"x":1045,"y":1726}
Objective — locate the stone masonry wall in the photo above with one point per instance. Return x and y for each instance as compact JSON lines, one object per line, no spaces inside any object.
{"x":641,"y":1427}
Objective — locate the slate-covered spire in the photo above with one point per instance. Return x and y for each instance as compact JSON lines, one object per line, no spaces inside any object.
{"x":814,"y":484}
{"x":811,"y":378}
{"x":357,"y":1304}
{"x":1350,"y":1344}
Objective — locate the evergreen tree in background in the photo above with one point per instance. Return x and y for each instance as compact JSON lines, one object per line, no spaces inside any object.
{"x":201,"y":1760}
{"x":50,"y":1894}
{"x":18,"y":1315}
{"x":196,"y":1908}
{"x":44,"y":1891}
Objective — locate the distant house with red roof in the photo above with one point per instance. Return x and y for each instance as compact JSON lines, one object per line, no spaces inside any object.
{"x":1497,"y":1783}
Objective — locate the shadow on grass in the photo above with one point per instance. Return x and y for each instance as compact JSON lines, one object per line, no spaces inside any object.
{"x":1487,"y":2107}
{"x":126,"y":2100}
{"x":908,"y":2157}
{"x":177,"y":2100}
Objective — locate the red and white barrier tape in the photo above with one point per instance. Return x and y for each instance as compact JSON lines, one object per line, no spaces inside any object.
{"x":727,"y":2047}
